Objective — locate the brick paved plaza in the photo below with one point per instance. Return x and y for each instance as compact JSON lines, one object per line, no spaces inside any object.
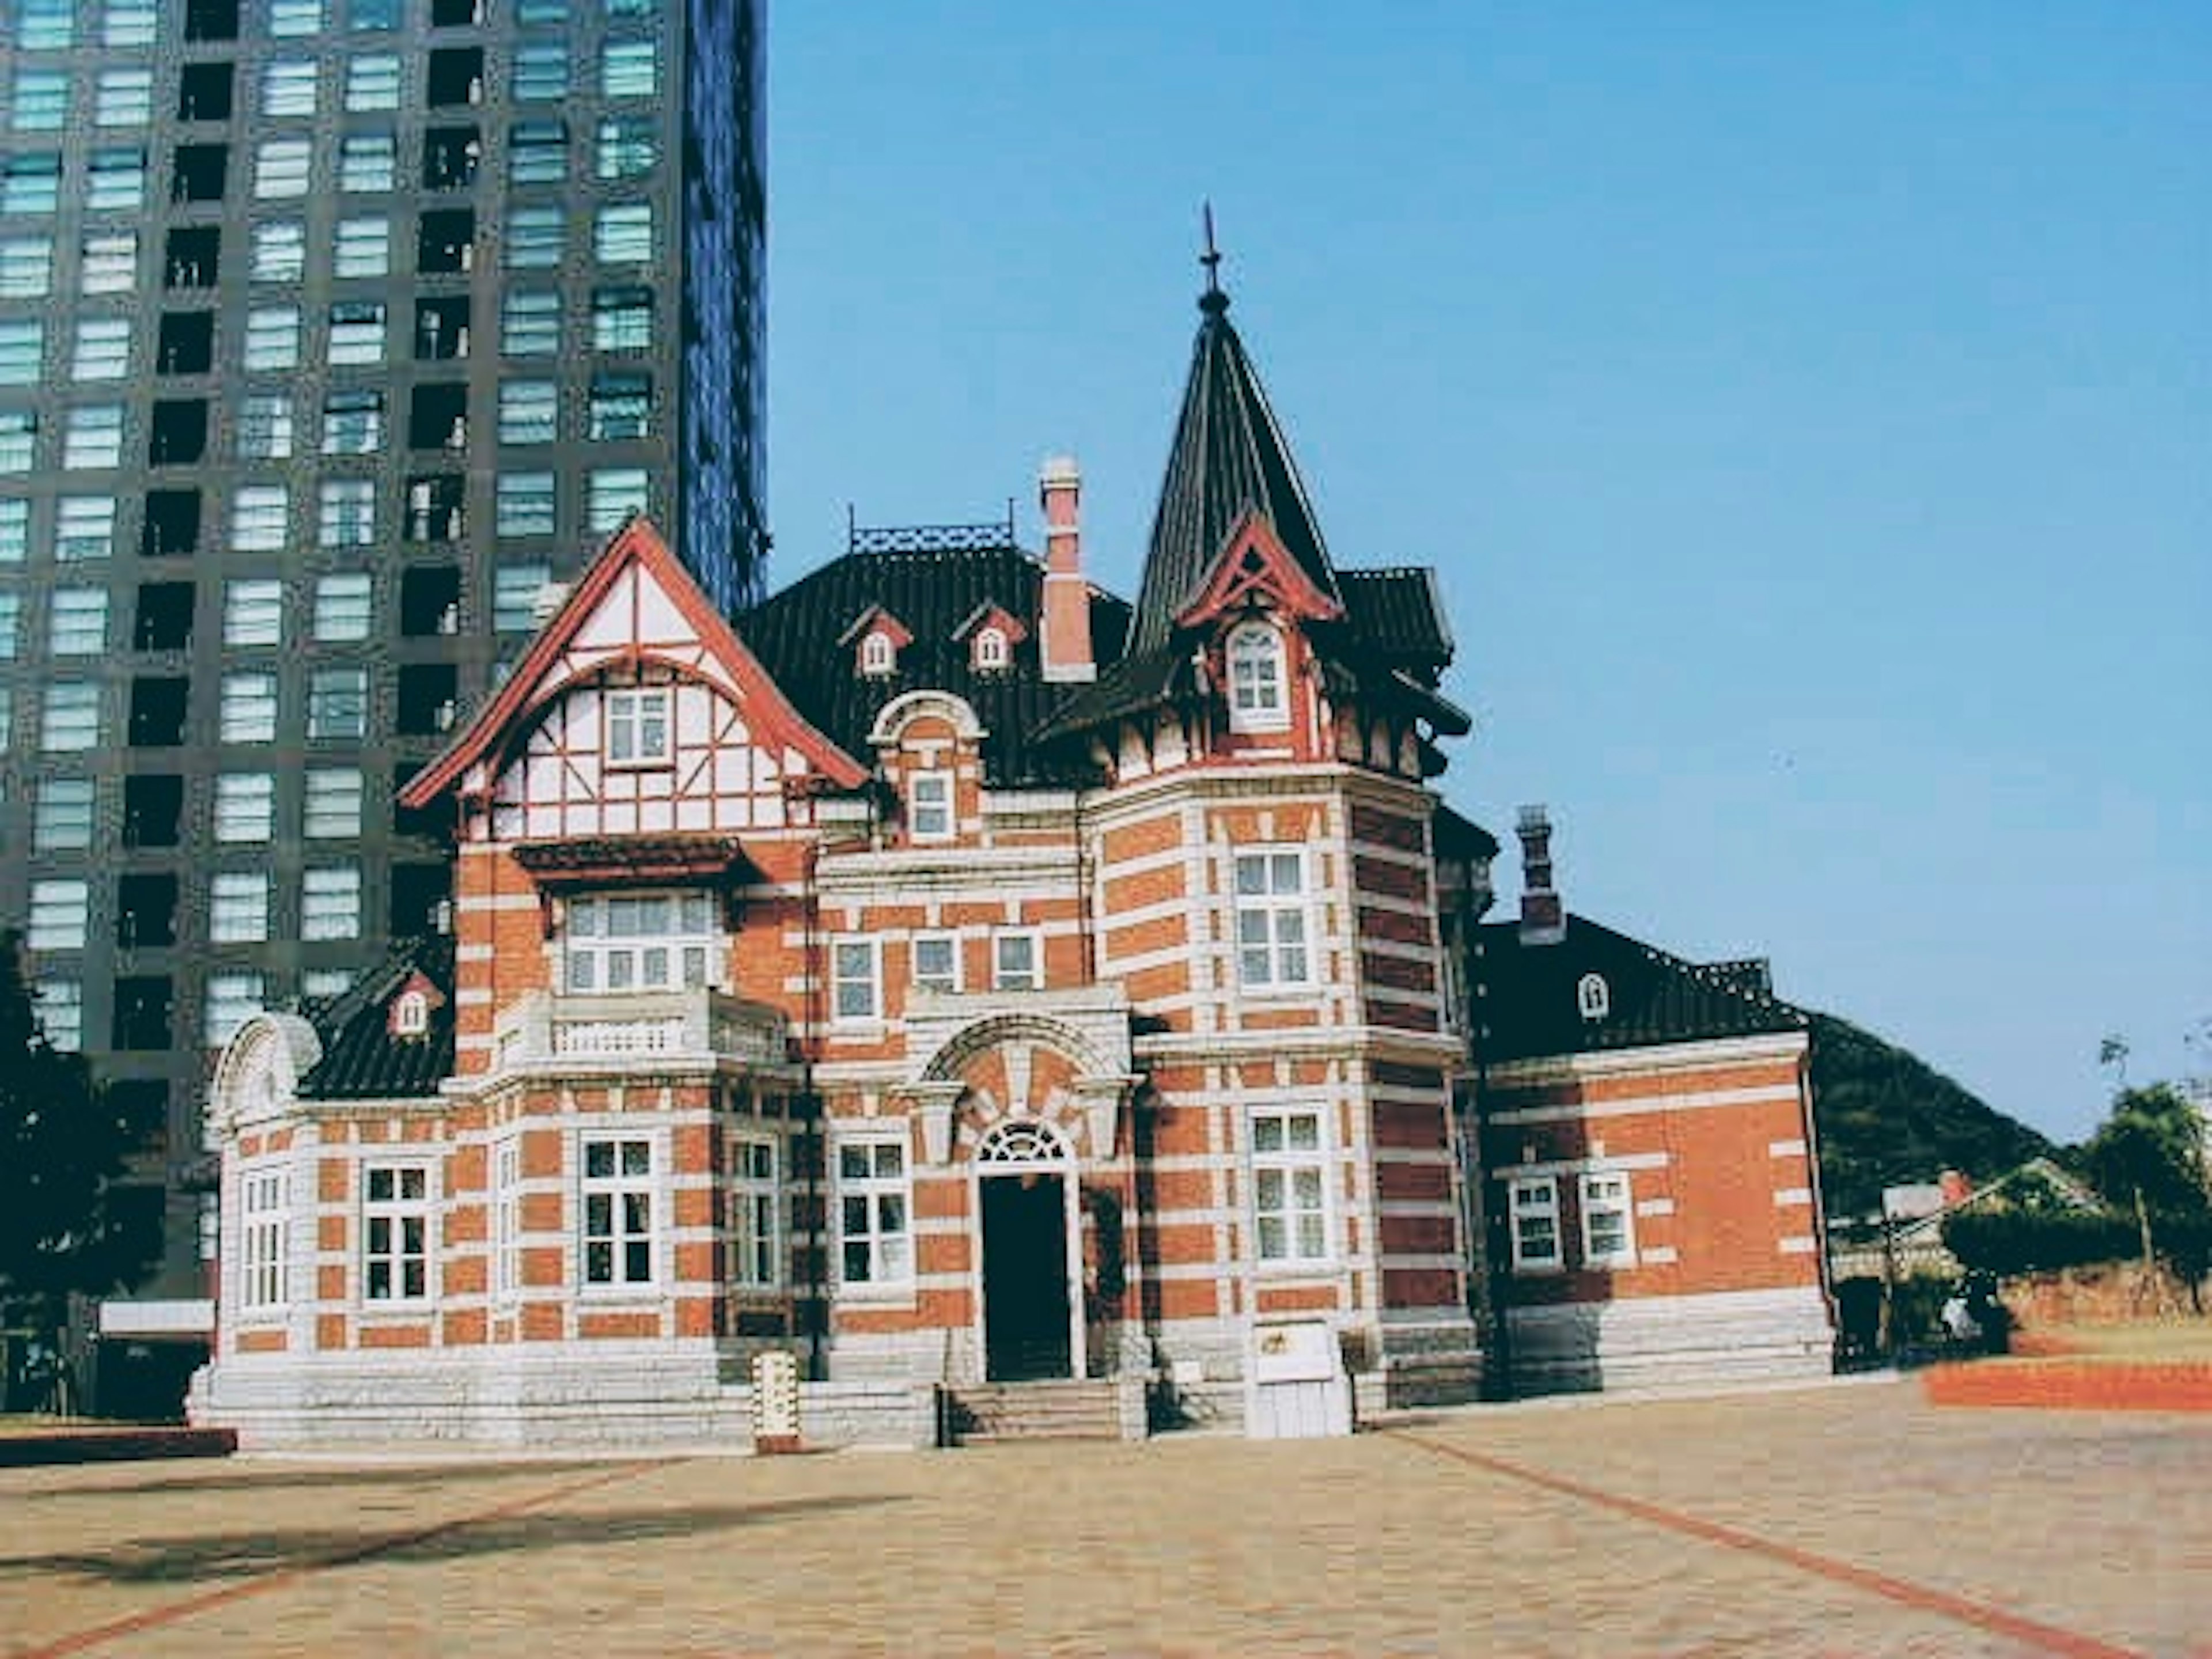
{"x":1847,"y":1520}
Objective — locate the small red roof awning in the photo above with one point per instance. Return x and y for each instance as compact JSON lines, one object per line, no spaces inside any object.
{"x":634,"y":860}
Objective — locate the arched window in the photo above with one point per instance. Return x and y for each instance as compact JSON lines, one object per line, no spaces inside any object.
{"x":1592,"y":997}
{"x":991,"y":648}
{"x":411,"y":1015}
{"x":878,"y":654}
{"x":1256,"y":702}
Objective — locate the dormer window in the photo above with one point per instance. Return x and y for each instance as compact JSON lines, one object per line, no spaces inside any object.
{"x":878,"y":655}
{"x":411,"y":1014}
{"x":1257,"y":701}
{"x":1592,"y":997}
{"x":992,"y":652}
{"x":638,"y":728}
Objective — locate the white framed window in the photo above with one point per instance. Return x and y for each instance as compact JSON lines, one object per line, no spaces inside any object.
{"x":929,"y":806}
{"x":1290,"y":1186}
{"x":264,"y":426}
{"x":61,"y":821}
{"x":525,"y":504}
{"x":529,"y":412}
{"x":19,"y":440}
{"x":115,"y":179}
{"x":875,"y":1238}
{"x":619,"y":1241}
{"x":507,"y":1218}
{"x":59,"y":1006}
{"x":1016,"y":960}
{"x":263,"y":1221}
{"x":514,"y":593}
{"x":58,"y":908}
{"x":77,"y":625}
{"x":629,"y":69}
{"x":282,"y":168}
{"x":338,"y":702}
{"x":756,"y":1205}
{"x":411,"y":1014}
{"x":1592,"y":998}
{"x":238,"y":907}
{"x":330,"y":902}
{"x":395,"y":1232}
{"x":638,"y":731}
{"x":343,"y":606}
{"x":372,"y":82}
{"x":253,"y":612}
{"x":530,"y":324}
{"x":356,"y":331}
{"x":110,"y":262}
{"x":331,"y":806}
{"x":856,"y":979}
{"x":123,"y":98}
{"x":1608,"y":1217}
{"x":246,"y":711}
{"x":103,"y":349}
{"x":1256,"y":700}
{"x":84,"y":528}
{"x":937,"y":962}
{"x":1272,"y":952}
{"x":259,"y":515}
{"x":70,"y":719}
{"x":623,"y":942}
{"x":276,"y":251}
{"x":271,"y":339}
{"x":289,"y":86}
{"x":353,"y":422}
{"x":245,"y":806}
{"x":878,"y":654}
{"x":611,"y":494}
{"x":231,"y":1000}
{"x":345,"y":512}
{"x":94,"y":436}
{"x":26,"y":267}
{"x":991,"y":652}
{"x":1533,"y":1205}
{"x":364,"y":247}
{"x":368,"y":162}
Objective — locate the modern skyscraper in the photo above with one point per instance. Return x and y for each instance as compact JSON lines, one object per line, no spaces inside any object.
{"x":331,"y":332}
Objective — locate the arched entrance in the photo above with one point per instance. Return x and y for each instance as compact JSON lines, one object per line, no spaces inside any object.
{"x":1025,"y":1182}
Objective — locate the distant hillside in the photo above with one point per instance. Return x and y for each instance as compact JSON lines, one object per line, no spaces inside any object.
{"x":1885,"y":1117}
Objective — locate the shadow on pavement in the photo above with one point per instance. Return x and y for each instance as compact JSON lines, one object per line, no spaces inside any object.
{"x":399,"y":1477}
{"x":246,"y":1554}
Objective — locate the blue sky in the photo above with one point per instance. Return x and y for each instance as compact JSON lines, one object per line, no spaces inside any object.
{"x":1809,"y":409}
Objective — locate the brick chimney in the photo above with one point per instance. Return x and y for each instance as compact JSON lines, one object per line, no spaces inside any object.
{"x":1065,"y":627}
{"x":1543,"y":919}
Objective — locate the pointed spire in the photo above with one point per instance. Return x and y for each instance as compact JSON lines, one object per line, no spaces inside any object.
{"x":1229,"y":460}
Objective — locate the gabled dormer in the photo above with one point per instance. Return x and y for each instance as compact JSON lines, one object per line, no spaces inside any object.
{"x":876,"y":638}
{"x":990,"y":632}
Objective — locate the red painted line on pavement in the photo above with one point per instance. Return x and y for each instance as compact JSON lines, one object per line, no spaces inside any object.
{"x":2069,"y":1645}
{"x":173,"y":1612}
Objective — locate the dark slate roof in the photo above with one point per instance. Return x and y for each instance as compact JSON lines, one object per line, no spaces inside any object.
{"x":1228,"y":459}
{"x":932,"y":592}
{"x":1399,"y":614}
{"x":362,"y":1060}
{"x":1460,"y":837}
{"x":1528,"y":1005}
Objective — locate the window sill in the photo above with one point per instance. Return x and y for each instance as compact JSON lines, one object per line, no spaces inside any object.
{"x":902,"y":1294}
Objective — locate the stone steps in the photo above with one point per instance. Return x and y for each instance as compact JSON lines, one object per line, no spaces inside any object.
{"x":979,"y":1414}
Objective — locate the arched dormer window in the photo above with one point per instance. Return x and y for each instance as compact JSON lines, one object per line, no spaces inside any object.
{"x":878,"y":656}
{"x":1257,"y":701}
{"x":1592,"y":997}
{"x":992,"y":652}
{"x":411,"y":1014}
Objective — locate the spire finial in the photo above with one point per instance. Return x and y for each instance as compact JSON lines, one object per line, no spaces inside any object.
{"x":1213,"y":301}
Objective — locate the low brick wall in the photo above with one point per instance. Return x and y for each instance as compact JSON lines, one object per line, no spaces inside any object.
{"x":2112,"y":1293}
{"x":2073,"y":1384}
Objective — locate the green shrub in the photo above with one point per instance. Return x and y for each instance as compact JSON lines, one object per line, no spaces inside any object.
{"x":2008,"y":1242}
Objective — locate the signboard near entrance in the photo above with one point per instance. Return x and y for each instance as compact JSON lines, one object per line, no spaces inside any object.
{"x":775,"y":1402}
{"x":1295,"y":1386}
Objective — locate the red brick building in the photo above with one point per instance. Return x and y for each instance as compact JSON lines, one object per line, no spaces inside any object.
{"x":947,"y":972}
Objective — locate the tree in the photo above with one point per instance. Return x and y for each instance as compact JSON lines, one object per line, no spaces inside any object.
{"x":62,"y":1150}
{"x":2147,"y":1158}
